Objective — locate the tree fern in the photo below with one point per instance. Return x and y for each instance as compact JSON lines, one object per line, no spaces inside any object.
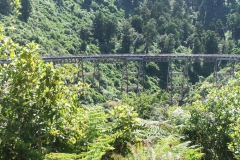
{"x":169,"y":148}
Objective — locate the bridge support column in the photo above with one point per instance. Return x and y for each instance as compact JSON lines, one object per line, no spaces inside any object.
{"x":137,"y":74}
{"x":222,"y":76}
{"x":94,"y":74}
{"x":177,"y":81}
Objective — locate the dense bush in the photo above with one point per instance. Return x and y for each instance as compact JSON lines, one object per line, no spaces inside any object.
{"x":33,"y":98}
{"x":214,"y":123}
{"x":148,"y":104}
{"x":167,"y":148}
{"x":41,"y":114}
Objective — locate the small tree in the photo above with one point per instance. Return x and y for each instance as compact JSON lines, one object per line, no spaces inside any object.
{"x":214,"y":123}
{"x":32,"y":99}
{"x":149,"y":32}
{"x":25,"y":10}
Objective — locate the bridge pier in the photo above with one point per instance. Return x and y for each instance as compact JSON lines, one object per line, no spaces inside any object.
{"x":180,"y":72}
{"x":94,"y":74}
{"x":139,"y":74}
{"x":222,"y":76}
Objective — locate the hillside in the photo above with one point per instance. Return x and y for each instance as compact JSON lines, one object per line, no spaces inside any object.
{"x":121,"y":26}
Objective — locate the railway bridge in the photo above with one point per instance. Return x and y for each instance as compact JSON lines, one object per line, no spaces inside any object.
{"x":142,"y":59}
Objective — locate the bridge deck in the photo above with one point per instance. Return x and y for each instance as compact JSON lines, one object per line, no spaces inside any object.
{"x":144,"y":57}
{"x":137,"y":57}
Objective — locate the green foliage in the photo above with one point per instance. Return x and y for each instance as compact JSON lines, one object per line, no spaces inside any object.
{"x":126,"y":37}
{"x":124,"y":123}
{"x":61,"y":156}
{"x":152,"y":68}
{"x":8,"y":6}
{"x":33,"y":98}
{"x":87,"y":27}
{"x":161,"y":140}
{"x":71,"y":16}
{"x":25,"y":10}
{"x":211,"y":43}
{"x":63,"y":22}
{"x":40,"y":114}
{"x":99,"y":148}
{"x":16,"y":4}
{"x":214,"y":122}
{"x":234,"y":145}
{"x":178,"y":117}
{"x":169,"y":148}
{"x":197,"y":46}
{"x":90,"y":135}
{"x":149,"y":32}
{"x":84,"y":132}
{"x":145,"y":103}
{"x":5,"y":7}
{"x":172,"y":148}
{"x":40,"y":104}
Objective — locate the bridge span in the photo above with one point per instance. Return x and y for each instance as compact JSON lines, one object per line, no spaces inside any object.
{"x":145,"y":57}
{"x":141,"y":59}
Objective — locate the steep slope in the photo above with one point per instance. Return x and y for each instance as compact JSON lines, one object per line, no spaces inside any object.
{"x":122,"y":26}
{"x":55,"y":25}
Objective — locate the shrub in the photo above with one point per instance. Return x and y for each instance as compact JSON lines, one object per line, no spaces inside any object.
{"x":144,"y":103}
{"x":214,"y":123}
{"x":33,"y":98}
{"x":61,"y":156}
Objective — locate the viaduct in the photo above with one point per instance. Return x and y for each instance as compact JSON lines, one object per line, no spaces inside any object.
{"x":142,"y":59}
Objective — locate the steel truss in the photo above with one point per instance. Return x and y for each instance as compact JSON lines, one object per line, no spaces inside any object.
{"x":108,"y":58}
{"x":139,"y":75}
{"x":96,"y":71}
{"x":144,"y":58}
{"x":178,"y":70}
{"x":222,"y":76}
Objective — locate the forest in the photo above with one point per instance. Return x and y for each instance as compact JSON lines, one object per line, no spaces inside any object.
{"x":49,"y":113}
